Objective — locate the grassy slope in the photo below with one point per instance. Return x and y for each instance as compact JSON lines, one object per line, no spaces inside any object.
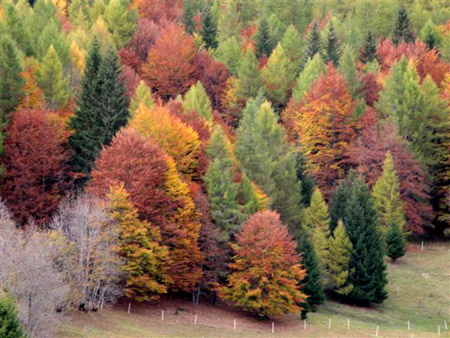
{"x":419,"y":291}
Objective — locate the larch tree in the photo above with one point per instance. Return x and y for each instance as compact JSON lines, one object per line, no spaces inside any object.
{"x":278,"y":77}
{"x":312,"y":283}
{"x":33,"y":97}
{"x":36,"y":165}
{"x":292,"y":44}
{"x":313,"y":69}
{"x":317,"y":221}
{"x":170,"y":69}
{"x":249,"y":78}
{"x":196,"y":99}
{"x":387,"y":199}
{"x":268,"y":160}
{"x":121,"y":21}
{"x":10,"y":69}
{"x":338,"y":263}
{"x":139,"y":245}
{"x":403,"y":30}
{"x":52,"y":81}
{"x":142,"y":95}
{"x":431,"y":35}
{"x":229,"y":52}
{"x":347,"y":67}
{"x":266,"y":274}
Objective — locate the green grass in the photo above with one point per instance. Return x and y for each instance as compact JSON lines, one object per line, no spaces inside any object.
{"x":419,"y":291}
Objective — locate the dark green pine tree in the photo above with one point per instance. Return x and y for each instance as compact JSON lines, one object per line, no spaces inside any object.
{"x":395,"y":242}
{"x":312,"y":284}
{"x":339,"y":200}
{"x":10,"y":80}
{"x":209,"y":29}
{"x":188,"y":16}
{"x":313,"y":43}
{"x":332,"y":46}
{"x":10,"y":326}
{"x":264,"y":42}
{"x":102,"y":109}
{"x":307,"y":181}
{"x":403,"y":30}
{"x":368,"y":276}
{"x":369,"y":51}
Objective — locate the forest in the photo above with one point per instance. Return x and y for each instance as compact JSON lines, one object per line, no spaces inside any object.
{"x":262,"y":154}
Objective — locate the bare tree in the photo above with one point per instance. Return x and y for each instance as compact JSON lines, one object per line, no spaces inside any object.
{"x":87,"y":238}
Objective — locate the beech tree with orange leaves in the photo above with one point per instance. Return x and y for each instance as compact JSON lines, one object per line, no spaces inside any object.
{"x":170,"y":68}
{"x":36,"y":165}
{"x":266,"y":273}
{"x":325,"y":124}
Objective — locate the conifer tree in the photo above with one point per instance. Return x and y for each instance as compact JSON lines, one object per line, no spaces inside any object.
{"x":332,"y":47}
{"x":395,"y":242}
{"x":313,"y":43}
{"x":386,"y":196}
{"x":360,"y":218}
{"x":146,"y":260}
{"x":52,"y":35}
{"x":278,"y":77}
{"x":228,"y":24}
{"x":312,"y":283}
{"x":10,"y":326}
{"x":431,"y":35}
{"x":268,"y":160}
{"x":16,"y":28}
{"x":339,"y":200}
{"x":229,"y":52}
{"x":196,"y":99}
{"x":313,"y":69}
{"x":142,"y":95}
{"x":52,"y":80}
{"x":292,"y":44}
{"x":121,"y":21}
{"x":403,"y":30}
{"x":317,"y":221}
{"x":188,"y":15}
{"x":347,"y":67}
{"x":10,"y":68}
{"x":264,"y":43}
{"x":307,"y":181}
{"x":338,"y":263}
{"x":369,"y":50}
{"x":249,"y":77}
{"x":209,"y":28}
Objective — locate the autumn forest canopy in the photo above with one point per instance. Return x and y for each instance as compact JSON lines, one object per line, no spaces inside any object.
{"x":264,"y":154}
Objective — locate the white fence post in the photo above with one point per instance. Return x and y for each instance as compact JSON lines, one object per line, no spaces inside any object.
{"x":409,"y":325}
{"x":329,"y":323}
{"x":376,"y":332}
{"x":348,"y":323}
{"x":129,"y":308}
{"x":304,"y":324}
{"x":273,"y":327}
{"x":421,"y":248}
{"x":195,"y":319}
{"x":439,"y":330}
{"x":162,"y":314}
{"x":234,"y":324}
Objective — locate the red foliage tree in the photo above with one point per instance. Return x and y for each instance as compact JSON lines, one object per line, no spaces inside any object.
{"x":370,"y":88}
{"x":170,"y":68}
{"x":130,"y":79}
{"x":36,"y":165}
{"x":367,"y":153}
{"x":143,"y":38}
{"x":427,"y":61}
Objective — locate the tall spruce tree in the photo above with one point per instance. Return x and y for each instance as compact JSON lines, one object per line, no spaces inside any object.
{"x":431,"y":35}
{"x":339,"y":200}
{"x":368,"y":276}
{"x":312,"y":283}
{"x":386,"y":196}
{"x":307,"y":181}
{"x":369,"y":50}
{"x":264,"y":43}
{"x":209,"y":28}
{"x":10,"y":326}
{"x":403,"y":30}
{"x":332,"y":52}
{"x":101,"y":112}
{"x":395,"y":242}
{"x":268,"y":160}
{"x":10,"y":68}
{"x":338,"y":263}
{"x":313,"y":44}
{"x":250,"y":81}
{"x":188,"y":15}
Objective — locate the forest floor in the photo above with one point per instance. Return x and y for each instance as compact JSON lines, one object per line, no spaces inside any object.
{"x":419,"y":292}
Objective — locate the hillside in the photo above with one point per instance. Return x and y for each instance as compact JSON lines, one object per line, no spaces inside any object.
{"x":418,"y":291}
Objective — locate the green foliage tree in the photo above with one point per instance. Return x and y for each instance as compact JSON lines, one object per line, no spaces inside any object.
{"x":292,"y":44}
{"x":360,"y":219}
{"x":369,"y":49}
{"x":312,"y":283}
{"x":250,"y":80}
{"x":395,"y":242}
{"x":52,"y":80}
{"x":338,"y":263}
{"x":307,"y":181}
{"x":431,"y":35}
{"x":142,"y":95}
{"x":332,"y":46}
{"x":121,"y":21}
{"x":313,"y":69}
{"x":386,"y":196}
{"x":228,"y":24}
{"x":339,"y":200}
{"x":229,"y":52}
{"x":197,"y":99}
{"x":10,"y":68}
{"x":15,"y":27}
{"x":209,"y":28}
{"x":347,"y":67}
{"x":52,"y":35}
{"x":317,"y":221}
{"x":403,"y":30}
{"x":10,"y":326}
{"x":313,"y":43}
{"x":268,"y":160}
{"x":188,"y":15}
{"x":264,"y":43}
